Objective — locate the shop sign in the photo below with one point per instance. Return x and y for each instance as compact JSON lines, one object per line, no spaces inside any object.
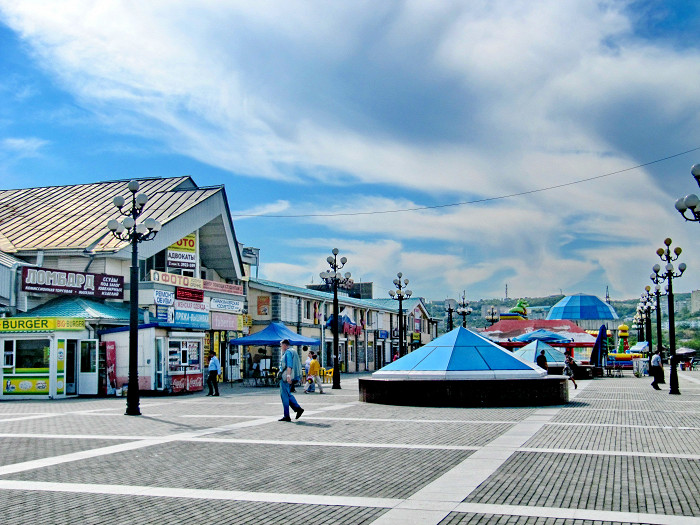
{"x":192,"y":306}
{"x":215,"y":286}
{"x":352,"y":329}
{"x":395,"y":332}
{"x":246,"y":320}
{"x":176,"y":280}
{"x":182,"y":254}
{"x":382,"y":334}
{"x":72,"y":283}
{"x":40,"y":324}
{"x":194,"y":382}
{"x":163,"y":297}
{"x":188,"y":319}
{"x":415,"y":337}
{"x":227,"y":304}
{"x":223,"y":321}
{"x":189,"y":294}
{"x":23,"y":385}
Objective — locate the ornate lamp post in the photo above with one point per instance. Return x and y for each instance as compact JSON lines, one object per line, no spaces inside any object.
{"x":492,"y":315}
{"x":400,"y":294}
{"x":334,"y":279}
{"x":691,"y":203}
{"x":668,"y":257}
{"x":128,"y":230}
{"x":647,"y":306}
{"x":450,"y":306}
{"x":463,"y":308}
{"x":657,"y":292}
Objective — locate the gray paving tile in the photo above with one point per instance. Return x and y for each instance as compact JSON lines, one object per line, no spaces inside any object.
{"x":19,"y":506}
{"x":617,"y":483}
{"x":18,"y":450}
{"x":390,"y":473}
{"x":460,"y":518}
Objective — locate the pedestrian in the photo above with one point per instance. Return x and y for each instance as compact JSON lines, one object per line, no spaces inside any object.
{"x":655,"y":369}
{"x":290,"y":372}
{"x":542,"y":360}
{"x":313,"y":375}
{"x":396,"y":356}
{"x":307,"y":363}
{"x":213,"y":377}
{"x":570,"y":368}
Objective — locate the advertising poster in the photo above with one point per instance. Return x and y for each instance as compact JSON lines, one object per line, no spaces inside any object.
{"x":25,"y":385}
{"x":72,"y":283}
{"x":263,"y":305}
{"x":182,"y":254}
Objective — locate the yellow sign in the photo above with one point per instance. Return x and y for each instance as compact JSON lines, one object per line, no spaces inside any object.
{"x":23,"y":385}
{"x":40,"y":324}
{"x":246,"y":320}
{"x":187,"y":244}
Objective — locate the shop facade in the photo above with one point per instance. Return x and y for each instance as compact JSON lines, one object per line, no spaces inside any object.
{"x":49,"y":358}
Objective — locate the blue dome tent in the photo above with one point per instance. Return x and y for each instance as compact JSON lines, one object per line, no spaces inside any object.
{"x":542,"y":335}
{"x":581,"y":307}
{"x":530,"y":352}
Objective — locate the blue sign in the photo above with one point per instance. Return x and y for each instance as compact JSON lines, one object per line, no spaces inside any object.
{"x":383,"y":334}
{"x":188,"y":319}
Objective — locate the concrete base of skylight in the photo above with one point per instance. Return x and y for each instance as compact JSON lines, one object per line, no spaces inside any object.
{"x":549,"y":390}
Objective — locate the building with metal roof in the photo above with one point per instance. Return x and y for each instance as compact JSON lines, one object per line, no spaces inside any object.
{"x":369,"y":335}
{"x":60,"y":261}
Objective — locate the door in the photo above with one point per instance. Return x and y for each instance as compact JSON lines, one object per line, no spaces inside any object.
{"x":87,"y":371}
{"x":71,"y":367}
{"x":160,"y":363}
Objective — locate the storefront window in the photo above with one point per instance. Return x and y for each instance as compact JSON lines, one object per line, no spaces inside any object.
{"x":88,"y":357}
{"x":32,"y":354}
{"x":184,"y":353}
{"x":9,"y":360}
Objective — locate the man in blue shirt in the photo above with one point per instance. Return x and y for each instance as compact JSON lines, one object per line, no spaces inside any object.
{"x":213,"y":377}
{"x":290,"y":365}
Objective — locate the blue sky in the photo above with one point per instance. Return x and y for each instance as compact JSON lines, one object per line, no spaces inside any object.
{"x":317,"y":114}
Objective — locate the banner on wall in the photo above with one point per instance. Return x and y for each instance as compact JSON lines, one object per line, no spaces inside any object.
{"x":101,"y":286}
{"x":263,"y":305}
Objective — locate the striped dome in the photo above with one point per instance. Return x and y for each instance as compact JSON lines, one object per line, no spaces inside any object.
{"x":580,"y":306}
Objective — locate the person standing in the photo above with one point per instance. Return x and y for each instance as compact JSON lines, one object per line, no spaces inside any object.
{"x":213,"y":377}
{"x":313,"y":374}
{"x":570,"y":368}
{"x":290,"y":365}
{"x":655,"y":369}
{"x":542,"y":360}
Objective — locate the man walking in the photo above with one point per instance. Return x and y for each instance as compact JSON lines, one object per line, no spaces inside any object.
{"x":290,"y":365}
{"x":213,"y":377}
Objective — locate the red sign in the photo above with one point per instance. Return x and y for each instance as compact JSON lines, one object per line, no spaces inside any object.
{"x":111,"y":363}
{"x":192,"y":383}
{"x":189,"y":294}
{"x":215,"y":286}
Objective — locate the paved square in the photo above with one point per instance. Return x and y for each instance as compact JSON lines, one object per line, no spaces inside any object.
{"x":619,"y":452}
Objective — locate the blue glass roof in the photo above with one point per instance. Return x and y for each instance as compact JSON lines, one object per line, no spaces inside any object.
{"x":580,"y":306}
{"x":458,"y":350}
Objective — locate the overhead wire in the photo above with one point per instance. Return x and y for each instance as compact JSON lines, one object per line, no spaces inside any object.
{"x":475,"y":201}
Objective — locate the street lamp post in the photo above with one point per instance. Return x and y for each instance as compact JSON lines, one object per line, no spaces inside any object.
{"x":334,"y":278}
{"x":657,"y":292}
{"x":463,"y":308}
{"x":492,"y":315}
{"x":647,"y":307}
{"x":400,"y":294}
{"x":691,"y":203}
{"x":450,"y":305}
{"x":668,"y":257}
{"x":128,"y":230}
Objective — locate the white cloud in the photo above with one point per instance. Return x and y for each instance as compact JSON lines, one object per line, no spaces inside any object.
{"x":21,"y":147}
{"x":450,"y":101}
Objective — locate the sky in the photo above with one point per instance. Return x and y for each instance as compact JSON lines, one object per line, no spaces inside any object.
{"x":538,"y":145}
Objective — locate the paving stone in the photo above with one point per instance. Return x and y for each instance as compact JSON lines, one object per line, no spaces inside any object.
{"x":19,"y":450}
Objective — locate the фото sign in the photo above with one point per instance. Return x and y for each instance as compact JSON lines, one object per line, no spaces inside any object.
{"x":72,"y":283}
{"x":176,"y":280}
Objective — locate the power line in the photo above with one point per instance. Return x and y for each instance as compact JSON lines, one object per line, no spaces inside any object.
{"x":475,"y":201}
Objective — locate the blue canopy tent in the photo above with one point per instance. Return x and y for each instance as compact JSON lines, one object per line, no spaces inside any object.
{"x":272,"y":334}
{"x":542,"y":335}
